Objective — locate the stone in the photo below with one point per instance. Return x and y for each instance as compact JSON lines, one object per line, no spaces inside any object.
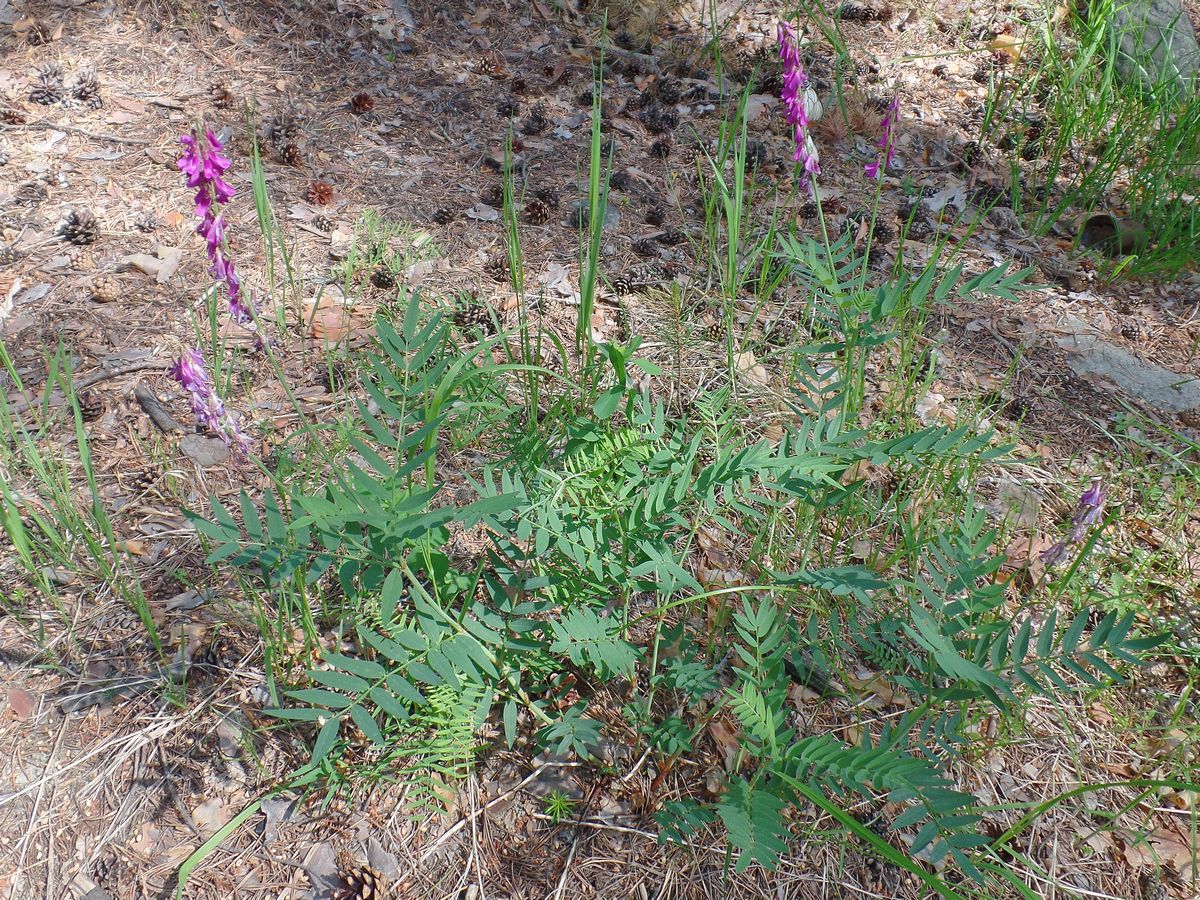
{"x":1156,"y":46}
{"x":206,"y":451}
{"x":1108,"y":365}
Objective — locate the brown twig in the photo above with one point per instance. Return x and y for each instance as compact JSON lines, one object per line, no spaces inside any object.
{"x":73,"y":129}
{"x":95,"y":378}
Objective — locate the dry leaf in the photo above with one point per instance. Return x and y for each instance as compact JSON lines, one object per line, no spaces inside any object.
{"x":210,"y":816}
{"x":22,"y":704}
{"x":1161,"y":846}
{"x":160,"y":267}
{"x":724,"y":734}
{"x":331,"y":318}
{"x":235,"y":34}
{"x":875,"y":686}
{"x":749,"y":366}
{"x":1007,"y":44}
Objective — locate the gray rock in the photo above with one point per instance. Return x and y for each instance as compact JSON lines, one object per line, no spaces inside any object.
{"x":206,"y":451}
{"x":1111,"y":366}
{"x":1156,"y":46}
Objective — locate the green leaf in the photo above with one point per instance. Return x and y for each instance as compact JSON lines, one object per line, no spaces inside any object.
{"x":387,"y":702}
{"x":510,"y":722}
{"x":389,"y":598}
{"x":364,"y":668}
{"x":340,"y":681}
{"x":326,"y":739}
{"x":607,"y":403}
{"x":321,"y":698}
{"x":367,"y":724}
{"x":753,"y":817}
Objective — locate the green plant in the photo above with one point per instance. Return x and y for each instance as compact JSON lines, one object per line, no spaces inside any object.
{"x":558,"y":806}
{"x":50,"y":526}
{"x":1098,"y":140}
{"x":593,"y":511}
{"x":611,"y":517}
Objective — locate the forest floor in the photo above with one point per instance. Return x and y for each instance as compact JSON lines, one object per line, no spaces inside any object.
{"x":111,"y":773}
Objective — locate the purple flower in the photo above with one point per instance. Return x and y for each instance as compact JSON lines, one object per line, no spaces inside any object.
{"x":210,"y":412}
{"x":795,"y":98}
{"x":887,"y":147}
{"x":204,"y":165}
{"x":1087,"y":514}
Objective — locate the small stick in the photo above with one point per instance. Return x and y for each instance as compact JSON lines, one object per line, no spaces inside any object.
{"x":95,"y":378}
{"x":461,"y":823}
{"x":114,"y":138}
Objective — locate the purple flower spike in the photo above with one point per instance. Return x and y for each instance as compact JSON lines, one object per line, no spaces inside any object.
{"x":794,"y":96}
{"x":1087,"y":514}
{"x":210,"y":412}
{"x":887,"y":142}
{"x":204,"y":165}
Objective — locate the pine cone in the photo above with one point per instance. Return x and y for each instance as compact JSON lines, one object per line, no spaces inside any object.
{"x":645,"y":247}
{"x":549,"y":196}
{"x":756,"y":154}
{"x":535,"y":123}
{"x":659,"y":119}
{"x":10,"y":116}
{"x":656,"y":215}
{"x":322,"y":223}
{"x":883,"y":232}
{"x":622,"y":285}
{"x":621,"y":180}
{"x":215,"y":653}
{"x":648,"y":275}
{"x":536,"y":212}
{"x":362,"y":103}
{"x":145,"y":222}
{"x":383,"y":277}
{"x":39,"y":33}
{"x":508,"y":107}
{"x":360,"y":883}
{"x":672,"y":236}
{"x":283,"y":128}
{"x":493,"y":196}
{"x":475,"y":315}
{"x":443,"y":215}
{"x":80,"y":227}
{"x":660,"y":149}
{"x":519,"y":85}
{"x":496,"y":267}
{"x":488,"y":66}
{"x":808,"y":211}
{"x":91,"y":407}
{"x":669,"y":91}
{"x":855,"y":12}
{"x":47,"y":87}
{"x":85,"y":88}
{"x":220,"y":95}
{"x":714,"y":331}
{"x":291,"y":154}
{"x":919,"y":228}
{"x":105,"y":289}
{"x":8,"y":255}
{"x":320,"y":193}
{"x":687,"y":159}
